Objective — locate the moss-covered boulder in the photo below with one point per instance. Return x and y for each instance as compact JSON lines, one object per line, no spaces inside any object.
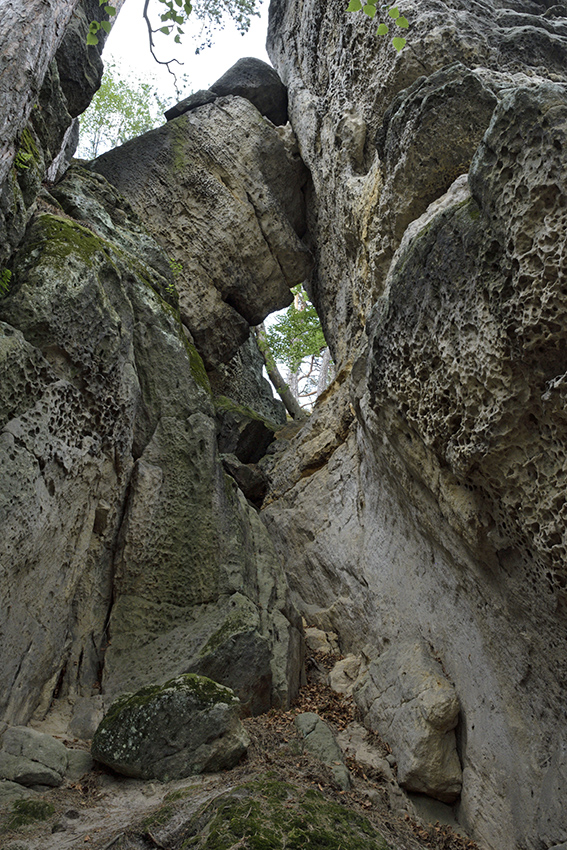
{"x":189,"y":725}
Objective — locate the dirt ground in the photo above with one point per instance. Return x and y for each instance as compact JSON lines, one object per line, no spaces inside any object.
{"x":99,"y":808}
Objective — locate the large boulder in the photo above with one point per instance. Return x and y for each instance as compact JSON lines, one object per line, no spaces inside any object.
{"x":409,"y":702}
{"x":259,"y":83}
{"x":222,"y":191}
{"x":187,"y":726}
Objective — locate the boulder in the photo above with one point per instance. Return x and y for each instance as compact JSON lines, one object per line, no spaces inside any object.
{"x":222,"y":192}
{"x":29,"y":757}
{"x":242,"y":380}
{"x":187,"y":726}
{"x":249,"y":476}
{"x":408,"y":700}
{"x":259,"y":83}
{"x":344,"y":675}
{"x":319,"y":641}
{"x":242,"y":431}
{"x":318,"y":740}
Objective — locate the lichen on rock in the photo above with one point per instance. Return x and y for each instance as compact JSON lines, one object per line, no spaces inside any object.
{"x":187,"y":726}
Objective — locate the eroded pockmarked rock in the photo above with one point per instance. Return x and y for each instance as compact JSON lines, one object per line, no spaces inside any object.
{"x":113,"y":496}
{"x":187,"y":726}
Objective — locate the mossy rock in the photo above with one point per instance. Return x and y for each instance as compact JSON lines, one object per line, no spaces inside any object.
{"x":187,"y":726}
{"x":265,"y":815}
{"x":242,"y":431}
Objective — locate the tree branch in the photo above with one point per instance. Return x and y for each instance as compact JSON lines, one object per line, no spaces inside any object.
{"x":152,"y":45}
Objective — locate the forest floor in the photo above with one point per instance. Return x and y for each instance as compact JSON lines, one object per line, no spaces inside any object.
{"x":101,"y":808}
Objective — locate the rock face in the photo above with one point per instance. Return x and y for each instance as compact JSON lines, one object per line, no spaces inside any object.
{"x":424,"y":499}
{"x":72,"y":77}
{"x":409,"y":702}
{"x":222,"y":191}
{"x":188,"y":725}
{"x":113,"y":497}
{"x":423,"y":503}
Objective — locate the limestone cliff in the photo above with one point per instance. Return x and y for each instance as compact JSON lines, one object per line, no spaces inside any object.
{"x":438,"y":216}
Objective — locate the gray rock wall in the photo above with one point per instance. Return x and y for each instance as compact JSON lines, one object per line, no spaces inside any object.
{"x":128,"y":556}
{"x":436,"y":513}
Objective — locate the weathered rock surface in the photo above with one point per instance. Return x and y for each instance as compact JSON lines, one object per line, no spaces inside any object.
{"x":29,"y":757}
{"x":410,"y":703}
{"x":438,"y":515}
{"x":259,"y":83}
{"x":223,"y":194}
{"x":113,"y":497}
{"x":242,"y":431}
{"x":187,"y":726}
{"x":318,"y":740}
{"x":71,"y":78}
{"x":242,"y":380}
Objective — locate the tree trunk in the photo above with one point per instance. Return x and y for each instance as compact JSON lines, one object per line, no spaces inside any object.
{"x":30,"y":34}
{"x":275,"y":377}
{"x":323,"y":379}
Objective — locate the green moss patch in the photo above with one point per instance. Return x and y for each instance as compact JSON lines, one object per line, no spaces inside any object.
{"x":206,"y":691}
{"x":25,"y":812}
{"x":225,"y":404}
{"x":271,"y":815}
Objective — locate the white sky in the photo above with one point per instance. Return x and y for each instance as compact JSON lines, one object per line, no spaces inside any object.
{"x":127,"y":45}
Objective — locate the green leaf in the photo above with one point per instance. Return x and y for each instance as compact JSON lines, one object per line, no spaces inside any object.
{"x":402,"y":22}
{"x":92,"y":39}
{"x":394,"y":13}
{"x":399,"y":43}
{"x":106,"y":26}
{"x":382,"y":29}
{"x":354,"y":6}
{"x":165,"y":30}
{"x":94,"y":27}
{"x":369,"y":10}
{"x":177,"y":39}
{"x":110,"y":10}
{"x":166,"y":16}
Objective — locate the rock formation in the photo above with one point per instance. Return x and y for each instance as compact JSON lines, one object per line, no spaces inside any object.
{"x":186,"y":726}
{"x":419,"y":513}
{"x":438,"y":514}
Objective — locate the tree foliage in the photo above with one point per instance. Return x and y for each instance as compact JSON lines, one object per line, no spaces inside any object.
{"x":171,"y":16}
{"x":389,"y":11}
{"x":119,"y":111}
{"x":295,"y":340}
{"x":296,"y":334}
